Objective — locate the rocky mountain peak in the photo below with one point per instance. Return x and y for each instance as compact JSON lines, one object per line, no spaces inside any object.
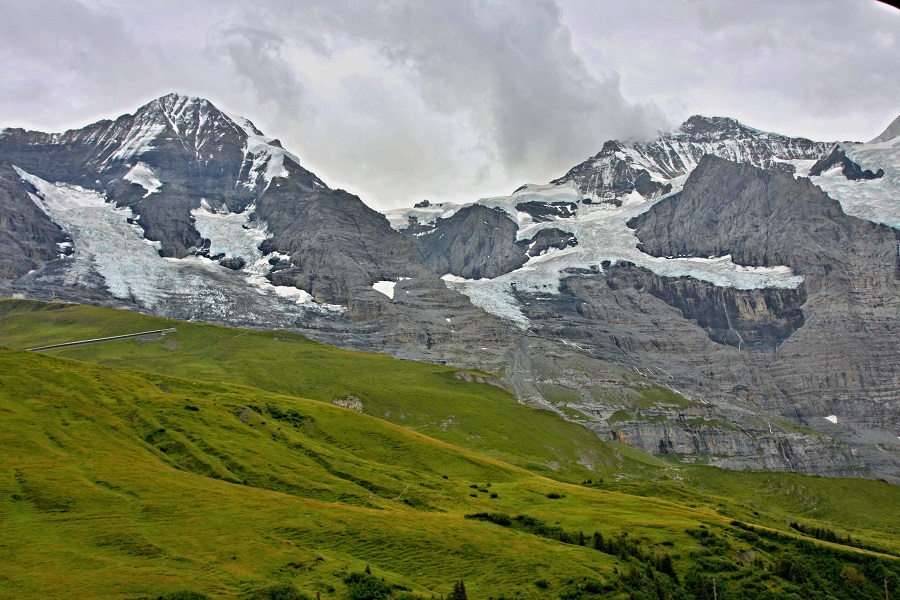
{"x":714,"y":127}
{"x":657,"y":167}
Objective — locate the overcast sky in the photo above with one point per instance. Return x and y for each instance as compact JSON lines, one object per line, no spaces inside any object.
{"x":452,"y":100}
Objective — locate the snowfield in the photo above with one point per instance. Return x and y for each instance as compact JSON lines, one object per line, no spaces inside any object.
{"x":876,"y":200}
{"x":102,"y":235}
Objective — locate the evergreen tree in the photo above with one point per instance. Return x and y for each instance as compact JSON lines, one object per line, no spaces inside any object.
{"x":459,"y":591}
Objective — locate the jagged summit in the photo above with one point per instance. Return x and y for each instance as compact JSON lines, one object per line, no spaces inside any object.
{"x":702,"y":126}
{"x":650,"y":169}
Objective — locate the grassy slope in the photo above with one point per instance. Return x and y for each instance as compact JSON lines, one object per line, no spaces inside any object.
{"x":431,"y":399}
{"x":96,"y":500}
{"x":228,"y":500}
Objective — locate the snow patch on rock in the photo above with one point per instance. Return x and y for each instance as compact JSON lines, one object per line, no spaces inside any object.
{"x":385,"y":287}
{"x":233,"y":234}
{"x":266,"y":158}
{"x":388,"y":287}
{"x":144,"y":176}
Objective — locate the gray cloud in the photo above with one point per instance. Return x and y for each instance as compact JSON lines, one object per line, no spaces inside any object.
{"x":508,"y":68}
{"x":256,"y":55}
{"x":826,"y":69}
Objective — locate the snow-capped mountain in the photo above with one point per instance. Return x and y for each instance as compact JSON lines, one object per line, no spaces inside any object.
{"x":198,"y":182}
{"x":742,"y":288}
{"x":704,"y":301}
{"x":585,"y":212}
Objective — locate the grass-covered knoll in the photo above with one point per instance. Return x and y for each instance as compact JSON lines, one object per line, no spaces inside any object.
{"x":442,"y":402}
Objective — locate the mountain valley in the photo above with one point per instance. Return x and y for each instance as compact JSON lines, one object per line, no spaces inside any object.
{"x":749,"y":276}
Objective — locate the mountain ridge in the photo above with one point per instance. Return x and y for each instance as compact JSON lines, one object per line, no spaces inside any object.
{"x":220,"y":223}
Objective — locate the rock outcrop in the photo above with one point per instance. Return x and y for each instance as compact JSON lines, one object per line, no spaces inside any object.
{"x":838,"y":158}
{"x":475,"y":242}
{"x":30,"y":239}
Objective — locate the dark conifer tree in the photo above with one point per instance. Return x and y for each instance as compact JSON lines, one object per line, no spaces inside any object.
{"x":459,"y":591}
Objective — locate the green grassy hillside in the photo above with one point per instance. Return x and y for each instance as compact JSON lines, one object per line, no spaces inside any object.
{"x":149,"y":474}
{"x":441,"y":402}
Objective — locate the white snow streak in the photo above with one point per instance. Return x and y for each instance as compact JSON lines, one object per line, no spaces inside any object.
{"x":267,"y":159}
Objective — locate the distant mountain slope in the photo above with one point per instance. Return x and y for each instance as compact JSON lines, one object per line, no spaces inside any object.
{"x":179,"y":160}
{"x":216,"y":221}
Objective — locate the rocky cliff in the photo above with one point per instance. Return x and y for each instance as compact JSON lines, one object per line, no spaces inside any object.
{"x":30,"y":238}
{"x":826,"y":348}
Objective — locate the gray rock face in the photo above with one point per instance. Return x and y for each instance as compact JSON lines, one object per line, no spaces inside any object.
{"x":337,"y":244}
{"x":548,"y":239}
{"x":29,"y":238}
{"x":621,"y":168}
{"x":756,"y":319}
{"x":767,"y":219}
{"x":547,"y":211}
{"x":826,"y":348}
{"x":890,"y":132}
{"x":475,"y":242}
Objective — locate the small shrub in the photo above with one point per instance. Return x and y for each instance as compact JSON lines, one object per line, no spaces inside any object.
{"x":555,"y":496}
{"x":501,"y":519}
{"x":363,"y":586}
{"x":280,"y":591}
{"x":542,"y":583}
